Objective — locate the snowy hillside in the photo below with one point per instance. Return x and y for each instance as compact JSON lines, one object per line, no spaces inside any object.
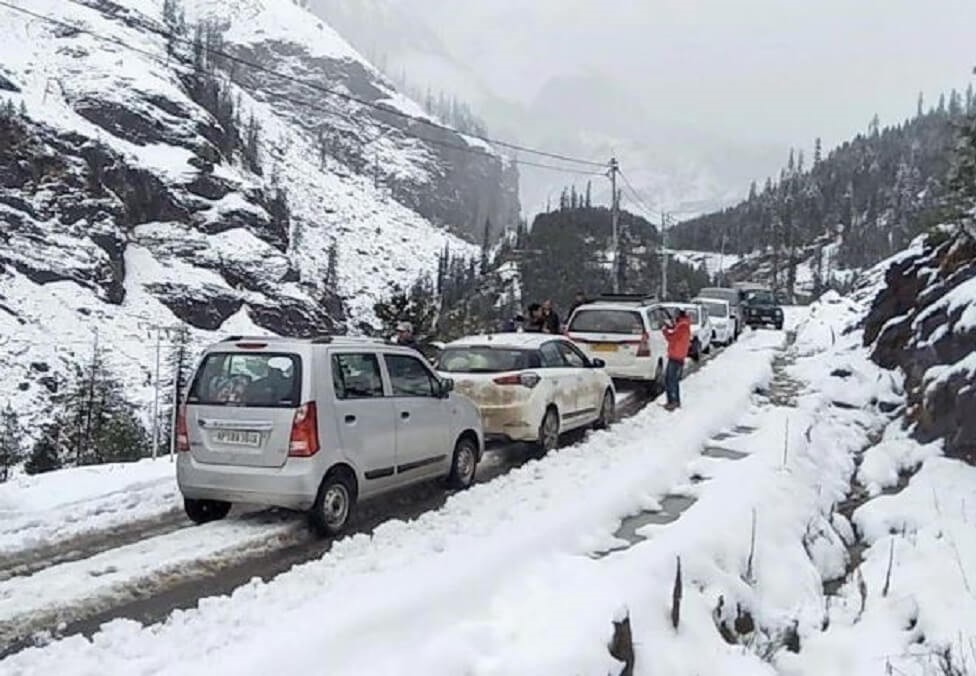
{"x":142,"y":185}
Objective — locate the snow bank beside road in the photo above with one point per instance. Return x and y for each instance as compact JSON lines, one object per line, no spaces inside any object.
{"x":409,"y":579}
{"x":36,"y":510}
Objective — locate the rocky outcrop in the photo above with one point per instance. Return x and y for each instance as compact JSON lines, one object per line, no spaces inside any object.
{"x":924,"y":323}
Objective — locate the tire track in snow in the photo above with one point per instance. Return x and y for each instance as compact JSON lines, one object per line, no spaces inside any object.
{"x":149,"y":595}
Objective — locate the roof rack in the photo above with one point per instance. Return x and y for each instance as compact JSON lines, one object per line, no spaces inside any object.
{"x":636,"y":298}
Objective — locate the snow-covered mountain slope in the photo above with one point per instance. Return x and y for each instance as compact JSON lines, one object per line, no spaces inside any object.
{"x":135,"y":189}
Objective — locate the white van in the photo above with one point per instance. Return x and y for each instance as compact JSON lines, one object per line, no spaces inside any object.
{"x":318,"y":425}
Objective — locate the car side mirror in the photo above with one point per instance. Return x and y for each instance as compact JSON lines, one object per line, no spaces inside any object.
{"x":447,"y":386}
{"x":598,"y":363}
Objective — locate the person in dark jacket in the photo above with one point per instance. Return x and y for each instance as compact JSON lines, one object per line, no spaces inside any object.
{"x":678,"y":335}
{"x":579,"y":300}
{"x":535,"y":320}
{"x":514,"y":325}
{"x":404,"y":336}
{"x":550,"y":320}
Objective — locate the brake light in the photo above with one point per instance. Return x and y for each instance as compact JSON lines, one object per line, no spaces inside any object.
{"x":529,"y":380}
{"x":304,"y":440}
{"x":252,"y":346}
{"x":644,"y":348}
{"x":182,"y":438}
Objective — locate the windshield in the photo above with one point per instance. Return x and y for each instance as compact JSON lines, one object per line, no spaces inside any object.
{"x":485,"y":360}
{"x":718,"y":310}
{"x":760,"y":297}
{"x":266,"y":380}
{"x":607,"y":321}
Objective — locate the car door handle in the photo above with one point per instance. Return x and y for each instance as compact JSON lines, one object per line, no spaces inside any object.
{"x":405,"y":415}
{"x":350,"y":419}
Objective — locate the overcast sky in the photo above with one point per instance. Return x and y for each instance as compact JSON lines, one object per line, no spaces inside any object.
{"x":753,"y":71}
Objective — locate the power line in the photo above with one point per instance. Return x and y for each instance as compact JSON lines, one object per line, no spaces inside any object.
{"x":311,"y":85}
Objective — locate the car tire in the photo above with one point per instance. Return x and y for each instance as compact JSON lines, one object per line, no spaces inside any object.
{"x":464,"y":465}
{"x":607,"y":412}
{"x":548,"y":432}
{"x":205,"y":511}
{"x":333,"y":504}
{"x":695,"y":352}
{"x":779,"y":326}
{"x":657,"y":386}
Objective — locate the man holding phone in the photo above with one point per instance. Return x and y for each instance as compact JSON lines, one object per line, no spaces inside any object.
{"x":678,"y":334}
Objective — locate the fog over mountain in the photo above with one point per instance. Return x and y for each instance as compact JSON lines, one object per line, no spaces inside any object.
{"x":701,"y":96}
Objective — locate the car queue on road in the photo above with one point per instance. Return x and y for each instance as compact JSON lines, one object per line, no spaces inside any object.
{"x":318,"y":425}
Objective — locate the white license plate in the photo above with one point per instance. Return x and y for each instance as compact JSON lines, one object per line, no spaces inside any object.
{"x":237,"y":438}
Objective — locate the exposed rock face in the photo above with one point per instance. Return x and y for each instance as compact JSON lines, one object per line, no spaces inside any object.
{"x":924,"y":322}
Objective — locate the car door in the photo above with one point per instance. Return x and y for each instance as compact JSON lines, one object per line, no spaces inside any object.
{"x":364,"y":416}
{"x":423,"y":444}
{"x":589,"y":381}
{"x":656,"y":341}
{"x":563,"y":382}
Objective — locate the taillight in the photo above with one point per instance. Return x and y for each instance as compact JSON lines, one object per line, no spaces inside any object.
{"x":182,"y":438}
{"x":304,"y":440}
{"x":644,"y":349}
{"x":525,"y":379}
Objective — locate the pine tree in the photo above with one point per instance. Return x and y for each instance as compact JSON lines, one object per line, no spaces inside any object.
{"x":955,"y":104}
{"x":589,"y":188}
{"x":920,"y":110}
{"x":970,"y":100}
{"x":44,"y":455}
{"x":11,"y":445}
{"x":252,"y":146}
{"x":942,"y":103}
{"x":332,"y":266}
{"x":874,"y":126}
{"x":486,"y":247}
{"x":573,"y":198}
{"x":962,"y":178}
{"x":817,"y":152}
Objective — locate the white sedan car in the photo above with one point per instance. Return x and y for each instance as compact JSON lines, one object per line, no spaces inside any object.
{"x":720,"y":314}
{"x":530,"y":387}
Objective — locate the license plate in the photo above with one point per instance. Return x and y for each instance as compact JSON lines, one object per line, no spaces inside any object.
{"x":237,"y":438}
{"x":605,"y":347}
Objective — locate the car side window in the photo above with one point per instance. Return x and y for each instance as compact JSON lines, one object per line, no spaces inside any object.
{"x":654,"y":318}
{"x":356,"y":376}
{"x":572,"y":356}
{"x":552,"y":356}
{"x":409,"y":377}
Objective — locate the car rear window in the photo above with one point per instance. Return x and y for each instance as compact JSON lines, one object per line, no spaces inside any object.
{"x":485,"y":360}
{"x":607,"y":321}
{"x":266,"y":379}
{"x":716,"y":309}
{"x":731,"y":295}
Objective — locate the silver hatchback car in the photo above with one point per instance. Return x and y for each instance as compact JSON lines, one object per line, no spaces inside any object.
{"x":318,"y":425}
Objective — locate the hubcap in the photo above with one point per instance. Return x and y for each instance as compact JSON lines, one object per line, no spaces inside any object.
{"x":465,"y":464}
{"x":335,"y":504}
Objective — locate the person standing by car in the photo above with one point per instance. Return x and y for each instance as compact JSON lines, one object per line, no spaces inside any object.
{"x":550,"y":320}
{"x":404,"y":336}
{"x":579,"y":300}
{"x":678,"y":335}
{"x":536,"y":320}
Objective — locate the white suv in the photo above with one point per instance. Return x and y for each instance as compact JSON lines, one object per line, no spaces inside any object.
{"x":318,"y":425}
{"x":625,"y":335}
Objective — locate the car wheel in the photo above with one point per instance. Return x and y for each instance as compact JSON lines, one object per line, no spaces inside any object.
{"x":779,"y":326}
{"x":465,"y":464}
{"x":548,"y":432}
{"x":657,"y":387}
{"x":607,"y":409}
{"x":333,"y":504}
{"x":695,"y":352}
{"x":205,"y":511}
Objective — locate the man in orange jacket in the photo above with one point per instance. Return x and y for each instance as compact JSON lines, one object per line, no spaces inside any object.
{"x":678,"y":335}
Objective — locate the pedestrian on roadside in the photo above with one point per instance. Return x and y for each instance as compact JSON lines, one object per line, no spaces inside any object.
{"x":579,"y":300}
{"x":535,"y":320}
{"x":678,"y":335}
{"x":550,"y":320}
{"x":404,"y":336}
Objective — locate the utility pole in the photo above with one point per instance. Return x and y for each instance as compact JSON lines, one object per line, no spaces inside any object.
{"x":180,"y":357}
{"x":160,"y":330}
{"x":614,"y":219}
{"x":664,"y":256}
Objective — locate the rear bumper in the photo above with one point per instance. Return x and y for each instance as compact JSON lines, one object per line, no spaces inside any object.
{"x":642,"y":371}
{"x":293,"y":486}
{"x":508,"y":423}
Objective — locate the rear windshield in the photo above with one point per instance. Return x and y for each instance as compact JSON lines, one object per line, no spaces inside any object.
{"x":268,"y":380}
{"x":715,"y":309}
{"x":486,"y":360}
{"x":607,"y":321}
{"x":731,"y":295}
{"x":760,"y":297}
